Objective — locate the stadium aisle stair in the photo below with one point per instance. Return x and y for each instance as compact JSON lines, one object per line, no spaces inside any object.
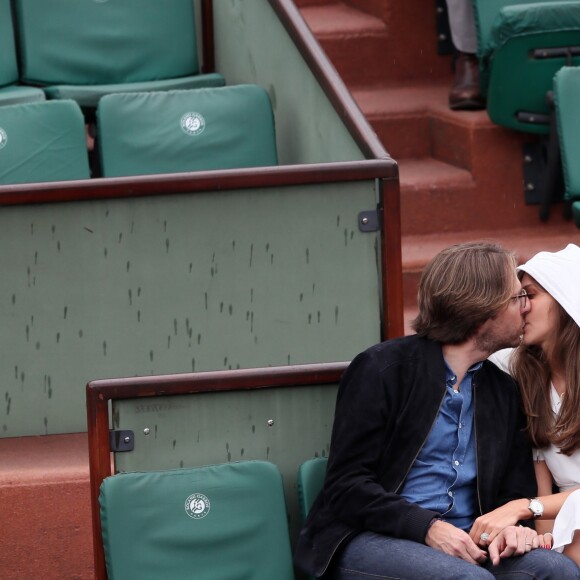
{"x":45,"y":510}
{"x":461,"y":176}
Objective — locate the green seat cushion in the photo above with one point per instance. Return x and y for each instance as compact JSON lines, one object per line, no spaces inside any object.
{"x":105,"y":42}
{"x":89,"y":95}
{"x":18,"y":94}
{"x":576,"y":213}
{"x":10,"y":92}
{"x":513,"y":81}
{"x":311,"y":476}
{"x":498,"y":21}
{"x":42,"y":141}
{"x":566,"y":98}
{"x":179,"y":131}
{"x":223,"y":522}
{"x":8,"y":63}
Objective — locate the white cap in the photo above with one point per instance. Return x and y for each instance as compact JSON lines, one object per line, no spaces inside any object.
{"x":559,"y":274}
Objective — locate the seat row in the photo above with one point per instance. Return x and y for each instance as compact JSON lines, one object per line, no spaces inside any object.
{"x":139,"y":133}
{"x":85,"y":50}
{"x":521,"y":47}
{"x":217,"y":521}
{"x":567,"y":107}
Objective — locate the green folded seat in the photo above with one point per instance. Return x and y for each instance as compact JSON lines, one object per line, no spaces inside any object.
{"x":309,"y":483}
{"x":566,"y":98}
{"x":83,"y":50}
{"x":42,"y":141}
{"x":310,"y":480}
{"x":180,"y":131}
{"x":10,"y":91}
{"x":521,"y":46}
{"x":224,"y":522}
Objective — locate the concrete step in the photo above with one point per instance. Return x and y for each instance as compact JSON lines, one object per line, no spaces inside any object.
{"x":367,"y":44}
{"x":339,"y":29}
{"x":454,"y":165}
{"x":306,"y":3}
{"x":401,"y":114}
{"x":435,"y":196}
{"x":45,"y":513}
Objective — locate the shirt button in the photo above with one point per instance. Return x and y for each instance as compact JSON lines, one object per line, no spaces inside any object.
{"x":456,"y":462}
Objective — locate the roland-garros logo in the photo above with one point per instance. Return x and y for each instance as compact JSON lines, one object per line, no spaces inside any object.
{"x":192,"y":123}
{"x":197,"y":506}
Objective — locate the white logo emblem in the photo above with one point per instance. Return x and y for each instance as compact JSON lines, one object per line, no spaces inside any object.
{"x":3,"y":138}
{"x":197,"y":506}
{"x":193,"y":123}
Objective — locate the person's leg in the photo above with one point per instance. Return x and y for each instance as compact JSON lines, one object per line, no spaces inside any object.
{"x":538,"y":564}
{"x":369,"y":555}
{"x":465,"y":92}
{"x":572,"y":550}
{"x":462,"y":25}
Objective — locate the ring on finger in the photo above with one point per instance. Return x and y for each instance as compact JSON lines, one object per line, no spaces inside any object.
{"x":484,"y":537}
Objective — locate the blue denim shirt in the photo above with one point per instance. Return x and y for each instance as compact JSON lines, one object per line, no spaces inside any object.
{"x":443,"y":476}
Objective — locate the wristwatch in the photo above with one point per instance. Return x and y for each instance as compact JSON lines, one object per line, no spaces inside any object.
{"x":536,"y":507}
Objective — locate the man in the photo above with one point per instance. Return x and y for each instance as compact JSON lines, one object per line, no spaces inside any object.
{"x":465,"y":94}
{"x":427,"y":436}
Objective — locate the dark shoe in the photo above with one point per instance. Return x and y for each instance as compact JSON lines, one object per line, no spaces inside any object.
{"x":465,"y":94}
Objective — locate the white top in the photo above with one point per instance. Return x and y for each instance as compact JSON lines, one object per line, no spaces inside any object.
{"x":564,"y":469}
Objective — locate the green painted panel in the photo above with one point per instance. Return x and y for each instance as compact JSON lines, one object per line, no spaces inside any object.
{"x":178,"y":283}
{"x":284,"y":425}
{"x":252,"y":46}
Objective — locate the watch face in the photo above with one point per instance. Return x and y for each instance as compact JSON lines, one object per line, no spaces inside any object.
{"x":536,"y":507}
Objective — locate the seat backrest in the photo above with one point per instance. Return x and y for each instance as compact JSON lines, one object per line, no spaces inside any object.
{"x":521,"y":46}
{"x":566,"y":99}
{"x":224,"y":521}
{"x":101,"y":42}
{"x":42,"y":141}
{"x":310,"y":480}
{"x":486,"y":12}
{"x":193,"y":130}
{"x":8,"y":63}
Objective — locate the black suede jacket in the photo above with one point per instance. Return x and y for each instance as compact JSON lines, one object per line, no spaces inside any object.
{"x":388,"y":400}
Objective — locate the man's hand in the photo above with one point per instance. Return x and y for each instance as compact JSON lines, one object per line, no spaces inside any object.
{"x":512,"y":541}
{"x":455,"y":542}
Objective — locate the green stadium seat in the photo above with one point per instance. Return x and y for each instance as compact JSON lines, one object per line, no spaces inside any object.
{"x":42,"y":141}
{"x":10,"y":92}
{"x":84,"y":50}
{"x":521,"y":46}
{"x":224,"y":521}
{"x":310,"y":480}
{"x":567,"y":100}
{"x":179,"y":131}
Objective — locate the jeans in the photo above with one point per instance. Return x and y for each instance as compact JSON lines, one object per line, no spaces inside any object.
{"x":376,"y":557}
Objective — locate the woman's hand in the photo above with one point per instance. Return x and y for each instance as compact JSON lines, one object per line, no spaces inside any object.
{"x":513,"y":541}
{"x":492,"y":523}
{"x":546,"y":540}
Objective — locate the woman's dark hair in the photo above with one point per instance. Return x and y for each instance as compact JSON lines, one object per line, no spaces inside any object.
{"x":529,"y":366}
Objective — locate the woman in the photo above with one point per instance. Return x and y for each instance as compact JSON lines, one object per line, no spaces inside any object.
{"x":547,"y":367}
